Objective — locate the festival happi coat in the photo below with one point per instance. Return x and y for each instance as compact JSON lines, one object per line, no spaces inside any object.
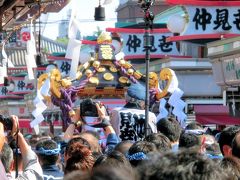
{"x":107,"y":74}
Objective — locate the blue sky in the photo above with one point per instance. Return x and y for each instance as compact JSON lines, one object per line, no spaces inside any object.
{"x":85,"y":9}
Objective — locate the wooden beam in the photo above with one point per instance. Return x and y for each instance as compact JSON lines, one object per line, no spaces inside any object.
{"x":8,"y":5}
{"x":13,"y":18}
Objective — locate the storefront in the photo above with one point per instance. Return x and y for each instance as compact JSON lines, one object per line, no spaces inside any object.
{"x":225,"y":59}
{"x":194,"y":24}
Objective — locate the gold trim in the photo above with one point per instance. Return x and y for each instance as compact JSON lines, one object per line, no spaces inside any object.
{"x":108,"y":76}
{"x":101,"y":69}
{"x":113,"y":69}
{"x":94,"y":80}
{"x":123,"y":80}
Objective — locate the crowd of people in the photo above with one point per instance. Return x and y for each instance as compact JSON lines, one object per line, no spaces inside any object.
{"x":169,"y":151}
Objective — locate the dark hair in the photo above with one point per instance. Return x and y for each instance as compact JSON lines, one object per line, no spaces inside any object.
{"x":47,"y":159}
{"x":236,"y":145}
{"x":80,"y":140}
{"x":76,"y":174}
{"x":114,"y":173}
{"x":170,"y":128}
{"x":34,"y":140}
{"x":213,"y":147}
{"x":227,"y":135}
{"x":114,"y":158}
{"x":57,"y":139}
{"x":104,"y":173}
{"x":79,"y":158}
{"x":183,"y":165}
{"x":123,"y":146}
{"x":188,"y":140}
{"x":232,"y":164}
{"x":161,"y":142}
{"x":91,"y":138}
{"x":140,"y":147}
{"x":7,"y":157}
{"x":194,"y":125}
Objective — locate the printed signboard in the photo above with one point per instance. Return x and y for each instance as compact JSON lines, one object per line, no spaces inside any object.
{"x":212,"y":19}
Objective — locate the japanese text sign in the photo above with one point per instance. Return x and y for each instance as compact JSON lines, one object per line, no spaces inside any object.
{"x":134,"y":44}
{"x":213,"y":19}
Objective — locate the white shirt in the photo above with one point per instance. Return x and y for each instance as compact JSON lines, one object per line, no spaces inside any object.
{"x":129,"y":123}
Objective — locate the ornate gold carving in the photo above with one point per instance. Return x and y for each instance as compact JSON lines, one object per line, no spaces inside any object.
{"x":96,"y":64}
{"x":101,"y":69}
{"x":165,"y":75}
{"x":108,"y":76}
{"x":127,"y":65}
{"x":113,"y":69}
{"x":104,"y":38}
{"x":137,"y":75}
{"x":123,"y":80}
{"x":66,"y":83}
{"x":122,"y":62}
{"x":130,"y":72}
{"x":55,"y":78}
{"x":94,"y":80}
{"x":88,"y":73}
{"x":153,"y":80}
{"x":41,"y":80}
{"x":106,"y":51}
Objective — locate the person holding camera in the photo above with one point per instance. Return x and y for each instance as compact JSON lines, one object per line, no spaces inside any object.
{"x":98,"y":111}
{"x":31,"y":167}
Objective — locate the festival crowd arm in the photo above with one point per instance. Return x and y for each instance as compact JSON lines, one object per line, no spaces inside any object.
{"x":112,"y":138}
{"x":31,"y":166}
{"x":109,"y":132}
{"x":70,"y":129}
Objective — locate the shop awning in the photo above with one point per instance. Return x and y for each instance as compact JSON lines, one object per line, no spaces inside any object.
{"x":214,"y":114}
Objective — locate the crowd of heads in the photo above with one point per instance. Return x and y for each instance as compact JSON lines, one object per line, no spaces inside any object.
{"x":199,"y":155}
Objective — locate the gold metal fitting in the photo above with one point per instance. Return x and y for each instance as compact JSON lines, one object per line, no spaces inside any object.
{"x":104,"y":37}
{"x":88,"y":73}
{"x":72,"y":113}
{"x":122,"y":62}
{"x":96,"y":64}
{"x":137,"y":75}
{"x":130,"y":72}
{"x":66,"y":83}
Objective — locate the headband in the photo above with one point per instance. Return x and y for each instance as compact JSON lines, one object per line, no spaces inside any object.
{"x":195,"y":131}
{"x":137,"y":156}
{"x":48,"y":152}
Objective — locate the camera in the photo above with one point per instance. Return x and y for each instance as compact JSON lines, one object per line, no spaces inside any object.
{"x":88,"y":108}
{"x":7,"y":122}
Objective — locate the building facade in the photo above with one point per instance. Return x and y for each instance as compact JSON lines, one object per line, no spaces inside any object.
{"x":129,"y":10}
{"x":191,"y":65}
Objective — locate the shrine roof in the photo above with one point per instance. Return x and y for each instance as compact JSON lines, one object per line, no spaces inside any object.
{"x":15,"y":11}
